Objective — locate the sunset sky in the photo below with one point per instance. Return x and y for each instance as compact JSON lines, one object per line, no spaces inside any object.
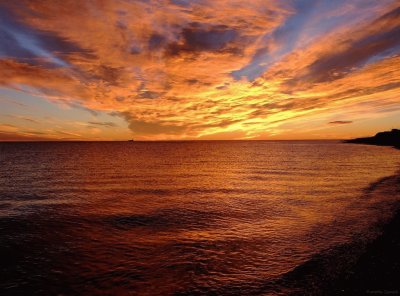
{"x":199,"y":69}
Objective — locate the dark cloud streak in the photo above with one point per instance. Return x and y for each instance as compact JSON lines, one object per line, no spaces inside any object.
{"x":105,"y":124}
{"x":339,"y":122}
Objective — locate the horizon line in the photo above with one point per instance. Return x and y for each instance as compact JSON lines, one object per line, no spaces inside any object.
{"x":189,"y":140}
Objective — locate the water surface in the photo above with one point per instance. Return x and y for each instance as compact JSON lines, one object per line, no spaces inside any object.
{"x":181,"y":218}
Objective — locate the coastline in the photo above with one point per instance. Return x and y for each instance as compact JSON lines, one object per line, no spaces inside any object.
{"x":366,"y":266}
{"x":378,"y":269}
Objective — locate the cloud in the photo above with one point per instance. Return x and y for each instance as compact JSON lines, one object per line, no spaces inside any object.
{"x":14,"y":136}
{"x":106,"y":124}
{"x":198,"y":69}
{"x":198,"y":37}
{"x":341,"y":122}
{"x":357,"y":50}
{"x":32,"y":45}
{"x":140,"y":127}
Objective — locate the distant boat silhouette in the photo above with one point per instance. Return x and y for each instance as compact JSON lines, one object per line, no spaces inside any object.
{"x":131,"y":140}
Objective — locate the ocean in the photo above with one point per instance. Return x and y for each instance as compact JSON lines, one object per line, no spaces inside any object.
{"x":188,"y":218}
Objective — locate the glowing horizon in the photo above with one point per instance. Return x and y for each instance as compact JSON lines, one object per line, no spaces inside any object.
{"x":193,"y":70}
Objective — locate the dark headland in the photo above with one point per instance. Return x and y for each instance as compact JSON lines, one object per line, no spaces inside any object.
{"x":389,"y":138}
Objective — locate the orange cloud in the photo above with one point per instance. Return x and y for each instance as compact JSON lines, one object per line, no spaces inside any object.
{"x":204,"y":69}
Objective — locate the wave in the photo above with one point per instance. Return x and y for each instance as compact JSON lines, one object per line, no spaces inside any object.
{"x":388,"y":182}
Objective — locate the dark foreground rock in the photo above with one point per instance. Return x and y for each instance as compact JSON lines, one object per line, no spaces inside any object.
{"x":390,"y":138}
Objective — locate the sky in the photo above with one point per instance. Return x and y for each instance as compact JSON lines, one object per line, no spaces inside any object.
{"x":198,"y":69}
